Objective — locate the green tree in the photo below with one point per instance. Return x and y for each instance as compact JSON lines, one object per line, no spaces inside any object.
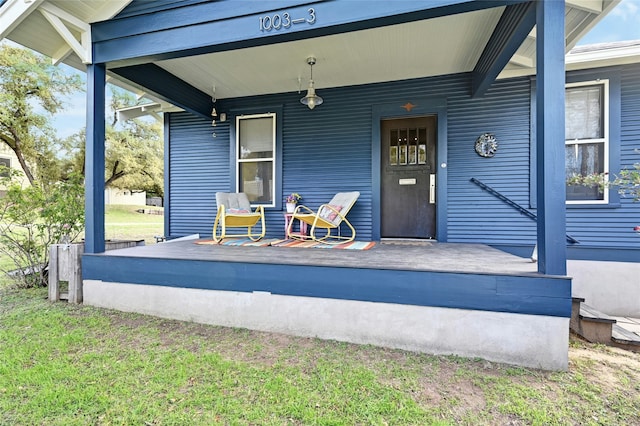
{"x":31,"y":91}
{"x":133,"y":150}
{"x":32,"y":218}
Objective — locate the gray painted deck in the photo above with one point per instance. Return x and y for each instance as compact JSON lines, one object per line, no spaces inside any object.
{"x":442,"y":257}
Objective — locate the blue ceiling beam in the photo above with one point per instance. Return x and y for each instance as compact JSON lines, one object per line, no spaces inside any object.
{"x":516,"y":23}
{"x":226,"y":25}
{"x":168,"y":87}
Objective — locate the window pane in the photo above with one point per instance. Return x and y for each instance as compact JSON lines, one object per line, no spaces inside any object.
{"x":256,"y":138}
{"x":5,"y":165}
{"x":583,"y":160}
{"x":584,"y":113}
{"x":256,"y":181}
{"x":422,"y":145}
{"x":393,"y":147}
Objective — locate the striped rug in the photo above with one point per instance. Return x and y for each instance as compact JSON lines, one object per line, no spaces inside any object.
{"x":245,"y":242}
{"x":353,"y":245}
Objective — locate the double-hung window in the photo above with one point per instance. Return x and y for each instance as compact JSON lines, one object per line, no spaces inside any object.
{"x":586,"y":139}
{"x":255,"y":157}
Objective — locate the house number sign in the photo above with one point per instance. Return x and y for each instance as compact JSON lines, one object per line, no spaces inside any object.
{"x":285,"y":20}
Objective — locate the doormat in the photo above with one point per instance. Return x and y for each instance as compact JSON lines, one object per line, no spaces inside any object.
{"x":246,"y":242}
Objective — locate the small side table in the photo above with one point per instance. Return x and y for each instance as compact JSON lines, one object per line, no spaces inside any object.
{"x":288,"y":217}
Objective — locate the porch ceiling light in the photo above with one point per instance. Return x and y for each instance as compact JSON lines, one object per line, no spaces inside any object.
{"x":311,"y":99}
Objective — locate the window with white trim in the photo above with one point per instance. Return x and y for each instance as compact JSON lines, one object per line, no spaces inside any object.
{"x":255,"y":157}
{"x":587,"y":139}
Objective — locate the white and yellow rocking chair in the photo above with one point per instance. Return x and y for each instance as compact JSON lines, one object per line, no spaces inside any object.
{"x":234,"y":211}
{"x":328,"y":217}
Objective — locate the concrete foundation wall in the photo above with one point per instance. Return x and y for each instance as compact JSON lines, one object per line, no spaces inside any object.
{"x":610,"y":287}
{"x":527,"y":340}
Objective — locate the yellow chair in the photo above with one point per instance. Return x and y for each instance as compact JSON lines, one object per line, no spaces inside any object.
{"x":328,"y":217}
{"x":234,"y":211}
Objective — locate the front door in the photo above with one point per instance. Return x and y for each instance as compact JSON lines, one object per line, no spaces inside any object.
{"x":408,"y":177}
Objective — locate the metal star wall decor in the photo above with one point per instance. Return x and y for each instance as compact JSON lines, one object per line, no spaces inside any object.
{"x":409,"y":106}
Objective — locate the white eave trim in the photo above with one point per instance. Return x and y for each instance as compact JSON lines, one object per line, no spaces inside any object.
{"x":154,"y":109}
{"x":615,"y":55}
{"x":63,"y":22}
{"x":13,"y":12}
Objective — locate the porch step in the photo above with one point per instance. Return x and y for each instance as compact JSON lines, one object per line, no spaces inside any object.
{"x":625,"y":339}
{"x":598,"y":327}
{"x":593,"y":325}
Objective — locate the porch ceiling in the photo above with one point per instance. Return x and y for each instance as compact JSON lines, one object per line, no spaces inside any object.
{"x":436,"y":46}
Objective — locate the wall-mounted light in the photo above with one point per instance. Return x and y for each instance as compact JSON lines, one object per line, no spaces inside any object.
{"x":214,"y":113}
{"x":311,"y":99}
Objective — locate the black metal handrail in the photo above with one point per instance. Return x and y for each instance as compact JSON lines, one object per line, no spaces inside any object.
{"x":515,"y":205}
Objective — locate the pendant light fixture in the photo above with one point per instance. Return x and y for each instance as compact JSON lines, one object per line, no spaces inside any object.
{"x":311,"y":99}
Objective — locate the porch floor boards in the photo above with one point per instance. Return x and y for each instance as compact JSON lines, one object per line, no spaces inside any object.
{"x":438,"y":257}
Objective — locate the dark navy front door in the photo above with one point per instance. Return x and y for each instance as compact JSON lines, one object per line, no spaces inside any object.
{"x":408,"y":177}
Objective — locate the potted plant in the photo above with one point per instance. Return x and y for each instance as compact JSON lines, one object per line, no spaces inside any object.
{"x":291,"y":201}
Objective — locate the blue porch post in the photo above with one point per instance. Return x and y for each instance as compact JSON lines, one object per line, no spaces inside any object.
{"x":94,"y":159}
{"x":551,"y":190}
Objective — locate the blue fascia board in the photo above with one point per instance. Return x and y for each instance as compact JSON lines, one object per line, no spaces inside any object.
{"x":516,"y":23}
{"x":200,"y":28}
{"x":152,"y":78}
{"x":533,"y":295}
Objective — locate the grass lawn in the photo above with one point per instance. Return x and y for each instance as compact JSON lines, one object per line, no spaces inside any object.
{"x":125,"y":223}
{"x":63,"y":364}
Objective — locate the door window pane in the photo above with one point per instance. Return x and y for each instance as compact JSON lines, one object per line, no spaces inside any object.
{"x":407,"y":146}
{"x":393,"y":148}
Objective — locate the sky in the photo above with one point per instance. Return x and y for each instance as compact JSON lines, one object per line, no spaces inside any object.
{"x":622,"y":23}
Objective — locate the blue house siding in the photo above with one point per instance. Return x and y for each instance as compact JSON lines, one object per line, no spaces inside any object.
{"x":474,"y":214}
{"x":199,"y":168}
{"x":329,"y":149}
{"x":611,"y":226}
{"x":630,"y":144}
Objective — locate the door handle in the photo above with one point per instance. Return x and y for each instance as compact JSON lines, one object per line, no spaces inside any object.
{"x":432,"y":189}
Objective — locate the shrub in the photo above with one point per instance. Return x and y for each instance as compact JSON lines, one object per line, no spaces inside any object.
{"x":34,"y":217}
